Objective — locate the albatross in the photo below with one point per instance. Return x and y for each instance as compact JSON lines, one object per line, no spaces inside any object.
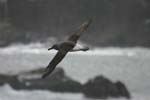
{"x":65,"y":47}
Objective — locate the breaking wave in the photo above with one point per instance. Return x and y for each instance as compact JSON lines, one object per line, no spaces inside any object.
{"x":41,"y":48}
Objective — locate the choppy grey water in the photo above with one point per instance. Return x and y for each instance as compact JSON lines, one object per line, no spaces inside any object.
{"x":130,"y":65}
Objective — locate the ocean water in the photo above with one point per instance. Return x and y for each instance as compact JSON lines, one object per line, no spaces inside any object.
{"x":129,"y":65}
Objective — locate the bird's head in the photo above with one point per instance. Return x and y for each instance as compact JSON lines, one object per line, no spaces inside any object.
{"x":53,"y":47}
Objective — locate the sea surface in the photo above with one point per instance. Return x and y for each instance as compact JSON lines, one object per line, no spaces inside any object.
{"x":129,"y":65}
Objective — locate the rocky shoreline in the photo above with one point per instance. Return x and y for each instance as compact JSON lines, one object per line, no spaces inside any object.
{"x":98,"y":87}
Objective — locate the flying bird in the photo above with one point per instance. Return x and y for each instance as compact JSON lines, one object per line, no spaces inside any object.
{"x":65,"y":47}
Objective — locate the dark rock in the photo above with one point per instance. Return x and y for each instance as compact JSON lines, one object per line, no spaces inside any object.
{"x":101,"y":87}
{"x":57,"y":81}
{"x":7,"y":79}
{"x":122,"y":90}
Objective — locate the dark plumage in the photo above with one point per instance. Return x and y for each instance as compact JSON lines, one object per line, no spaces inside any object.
{"x":65,"y":47}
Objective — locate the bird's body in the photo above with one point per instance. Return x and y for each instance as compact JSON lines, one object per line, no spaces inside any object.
{"x":65,"y":47}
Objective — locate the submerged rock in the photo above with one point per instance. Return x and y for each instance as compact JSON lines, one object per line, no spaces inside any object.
{"x":101,"y":87}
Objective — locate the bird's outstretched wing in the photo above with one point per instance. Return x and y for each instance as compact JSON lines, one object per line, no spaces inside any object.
{"x":58,"y":57}
{"x":83,"y":27}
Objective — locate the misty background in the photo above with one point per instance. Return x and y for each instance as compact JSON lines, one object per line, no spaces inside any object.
{"x":120,"y":23}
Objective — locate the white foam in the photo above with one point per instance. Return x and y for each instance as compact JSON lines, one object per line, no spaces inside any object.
{"x":39,"y":48}
{"x":36,"y":48}
{"x":109,"y":52}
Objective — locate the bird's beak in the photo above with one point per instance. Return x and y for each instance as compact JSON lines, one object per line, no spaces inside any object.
{"x":50,"y":48}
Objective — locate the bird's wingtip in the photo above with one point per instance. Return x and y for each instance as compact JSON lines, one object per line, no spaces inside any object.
{"x":86,"y":24}
{"x":90,"y":19}
{"x":44,"y":76}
